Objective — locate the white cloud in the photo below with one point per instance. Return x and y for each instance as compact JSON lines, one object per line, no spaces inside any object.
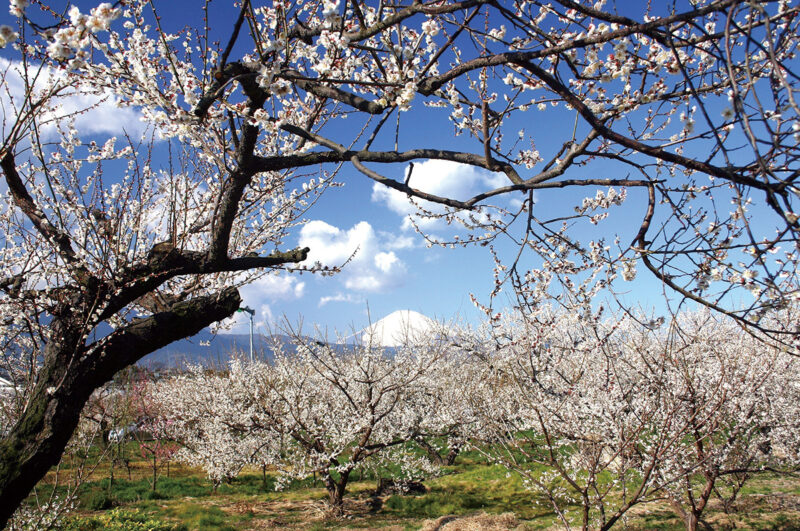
{"x":397,"y":242}
{"x":332,"y":246}
{"x":440,"y":177}
{"x":515,"y":203}
{"x":339,"y":297}
{"x":281,"y":286}
{"x":93,"y":114}
{"x":371,"y":269}
{"x":386,"y":261}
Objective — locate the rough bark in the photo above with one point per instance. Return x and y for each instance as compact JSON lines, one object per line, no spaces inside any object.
{"x":69,"y":375}
{"x":433,"y":453}
{"x":336,"y":490}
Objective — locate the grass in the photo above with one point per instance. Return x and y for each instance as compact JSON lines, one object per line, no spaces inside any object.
{"x":202,"y":516}
{"x":476,"y":488}
{"x":186,"y":500}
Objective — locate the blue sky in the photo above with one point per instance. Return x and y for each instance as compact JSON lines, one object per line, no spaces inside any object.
{"x":393,"y":268}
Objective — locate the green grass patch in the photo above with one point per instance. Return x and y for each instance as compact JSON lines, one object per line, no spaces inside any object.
{"x":202,"y":516}
{"x":96,"y":495}
{"x":434,"y":504}
{"x":121,"y":520}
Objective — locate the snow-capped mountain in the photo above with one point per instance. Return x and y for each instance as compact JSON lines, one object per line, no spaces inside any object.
{"x":217,"y":350}
{"x":396,"y":328}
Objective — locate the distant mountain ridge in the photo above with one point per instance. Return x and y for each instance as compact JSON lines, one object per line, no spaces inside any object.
{"x":217,"y":350}
{"x":213,"y":350}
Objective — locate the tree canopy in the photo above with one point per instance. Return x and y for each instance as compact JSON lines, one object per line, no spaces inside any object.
{"x":685,"y":115}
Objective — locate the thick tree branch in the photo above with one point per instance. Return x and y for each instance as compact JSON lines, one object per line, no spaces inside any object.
{"x":306,"y":34}
{"x":147,"y":277}
{"x":128,"y":345}
{"x":29,"y":207}
{"x":342,"y":154}
{"x":247,"y":74}
{"x":233,"y":188}
{"x":235,"y":35}
{"x":275,"y":259}
{"x":319,"y":90}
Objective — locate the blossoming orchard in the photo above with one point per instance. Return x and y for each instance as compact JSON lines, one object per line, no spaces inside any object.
{"x":681,"y":118}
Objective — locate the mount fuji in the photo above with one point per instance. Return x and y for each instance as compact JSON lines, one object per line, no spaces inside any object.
{"x":217,"y":350}
{"x":396,"y":328}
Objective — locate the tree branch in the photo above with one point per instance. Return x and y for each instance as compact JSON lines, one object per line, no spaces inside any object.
{"x":315,"y":87}
{"x":128,"y":345}
{"x":654,"y":151}
{"x":147,"y":277}
{"x":26,"y":203}
{"x":306,"y":34}
{"x":432,"y":84}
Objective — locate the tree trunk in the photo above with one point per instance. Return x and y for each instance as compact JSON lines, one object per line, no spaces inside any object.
{"x":336,"y":490}
{"x":450,"y":459}
{"x":105,"y":431}
{"x":433,"y":454}
{"x":36,"y":442}
{"x":691,"y":521}
{"x":71,"y":372}
{"x":111,"y":472}
{"x":690,"y":516}
{"x":585,"y":511}
{"x":155,"y":471}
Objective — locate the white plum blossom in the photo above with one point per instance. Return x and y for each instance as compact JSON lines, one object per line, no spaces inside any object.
{"x":7,"y":36}
{"x":591,"y":400}
{"x":330,"y":8}
{"x":323,"y":409}
{"x":17,"y":7}
{"x":629,"y":270}
{"x":431,"y":27}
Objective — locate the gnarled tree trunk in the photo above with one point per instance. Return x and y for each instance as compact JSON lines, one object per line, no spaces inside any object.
{"x":72,"y":371}
{"x":336,"y":490}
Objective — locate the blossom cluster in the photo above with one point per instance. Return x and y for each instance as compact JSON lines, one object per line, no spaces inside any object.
{"x":72,"y":40}
{"x":608,"y":398}
{"x":320,"y":409}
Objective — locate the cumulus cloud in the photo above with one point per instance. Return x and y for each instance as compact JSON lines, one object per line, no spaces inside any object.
{"x":440,"y":177}
{"x":281,"y":287}
{"x":92,"y":113}
{"x":396,"y":242}
{"x":372,"y":267}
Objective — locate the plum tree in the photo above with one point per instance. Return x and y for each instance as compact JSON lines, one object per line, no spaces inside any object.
{"x":697,"y":100}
